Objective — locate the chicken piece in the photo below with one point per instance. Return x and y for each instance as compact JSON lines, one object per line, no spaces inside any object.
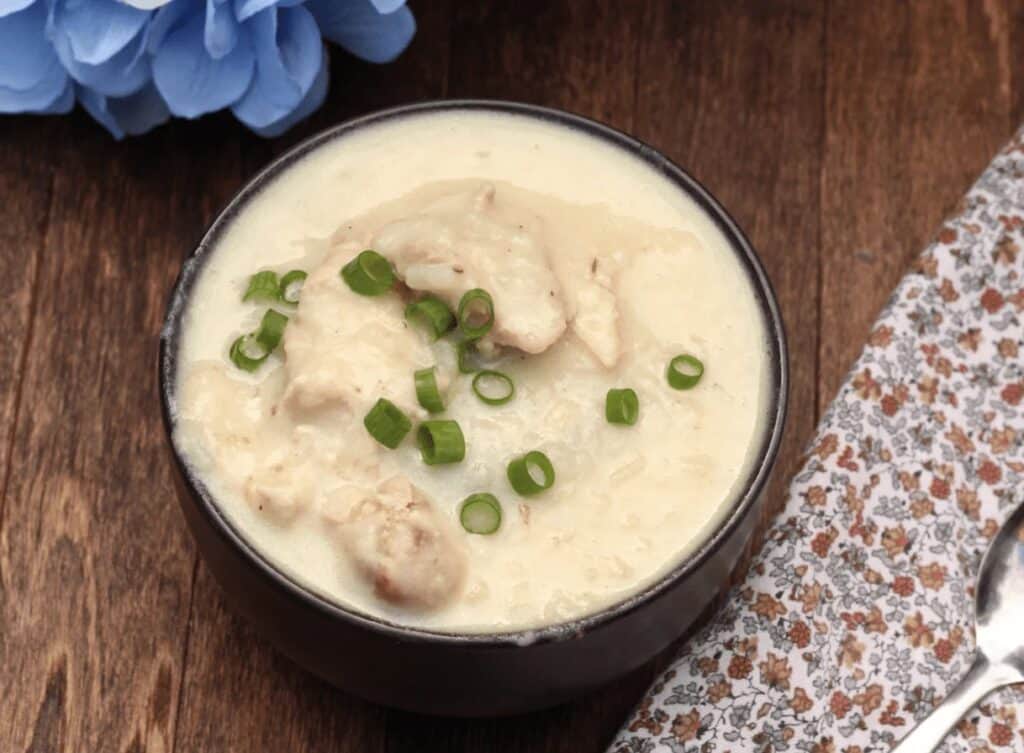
{"x":282,"y":481}
{"x":337,"y":506}
{"x":596,"y":322}
{"x":399,"y":544}
{"x":587,"y":266}
{"x":346,"y":350}
{"x":470,"y":239}
{"x":279,"y":490}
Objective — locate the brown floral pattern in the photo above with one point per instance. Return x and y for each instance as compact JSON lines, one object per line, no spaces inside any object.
{"x":857,"y":615}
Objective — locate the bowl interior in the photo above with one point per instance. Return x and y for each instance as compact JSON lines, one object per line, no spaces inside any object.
{"x":752,"y":485}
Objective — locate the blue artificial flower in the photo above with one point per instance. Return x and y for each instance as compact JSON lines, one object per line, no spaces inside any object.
{"x":132,"y":64}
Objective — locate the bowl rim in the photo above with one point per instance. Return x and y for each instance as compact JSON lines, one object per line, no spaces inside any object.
{"x":753,"y":486}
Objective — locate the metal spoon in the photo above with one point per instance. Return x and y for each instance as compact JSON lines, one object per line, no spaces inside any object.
{"x":999,"y":610}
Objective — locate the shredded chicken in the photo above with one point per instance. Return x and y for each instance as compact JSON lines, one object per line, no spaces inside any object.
{"x":399,"y":544}
{"x":469,"y":239}
{"x":346,"y":350}
{"x":596,"y":322}
{"x":278,"y":491}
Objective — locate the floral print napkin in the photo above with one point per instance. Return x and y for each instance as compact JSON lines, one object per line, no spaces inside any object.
{"x":857,"y":616}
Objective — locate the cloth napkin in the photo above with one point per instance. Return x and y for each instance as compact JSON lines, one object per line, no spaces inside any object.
{"x":857,"y":616}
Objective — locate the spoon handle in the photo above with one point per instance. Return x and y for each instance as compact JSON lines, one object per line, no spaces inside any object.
{"x":982,"y":678}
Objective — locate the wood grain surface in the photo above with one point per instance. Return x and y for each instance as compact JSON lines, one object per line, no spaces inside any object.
{"x":837,"y":133}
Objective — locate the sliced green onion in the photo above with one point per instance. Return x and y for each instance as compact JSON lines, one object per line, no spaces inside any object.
{"x":369,"y":274}
{"x":427,"y":393}
{"x":464,"y":353}
{"x":432,"y":313}
{"x":271,"y":329}
{"x":263,"y":286}
{"x":684,"y":372}
{"x":440,"y":442}
{"x":291,"y":286}
{"x":246,"y":353}
{"x":476,"y":313}
{"x":503,"y":383}
{"x":480,"y":513}
{"x":531,"y":474}
{"x":621,"y":407}
{"x":387,"y":424}
{"x":249,"y":351}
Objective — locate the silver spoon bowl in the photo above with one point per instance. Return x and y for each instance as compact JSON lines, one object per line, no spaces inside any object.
{"x":999,"y":610}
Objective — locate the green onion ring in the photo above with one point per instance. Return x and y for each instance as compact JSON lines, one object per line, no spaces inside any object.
{"x":369,"y":274}
{"x":505,"y":379}
{"x":681,"y":379}
{"x":427,"y":393}
{"x":440,"y":442}
{"x":480,"y":513}
{"x":241,"y":354}
{"x":263,"y":286}
{"x":621,"y":407}
{"x":291,"y":286}
{"x":432,"y":313}
{"x":264,"y":339}
{"x":521,"y":478}
{"x":271,"y":329}
{"x":470,"y":310}
{"x":387,"y":424}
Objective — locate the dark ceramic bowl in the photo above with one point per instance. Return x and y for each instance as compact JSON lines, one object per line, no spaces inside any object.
{"x":472,"y":675}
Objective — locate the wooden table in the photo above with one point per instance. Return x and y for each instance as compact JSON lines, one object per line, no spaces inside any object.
{"x":838,"y":134}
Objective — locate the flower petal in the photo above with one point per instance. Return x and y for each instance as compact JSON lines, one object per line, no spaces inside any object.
{"x":126,"y":116}
{"x":357,"y":26}
{"x":314,"y":98}
{"x":387,"y":6}
{"x":167,"y":19}
{"x":64,"y":103}
{"x":126,"y":72}
{"x":191,"y":82}
{"x":97,"y":29}
{"x":24,"y":51}
{"x":13,"y":6}
{"x":289,"y":55}
{"x":31,"y":77}
{"x":221,"y":33}
{"x":40,"y":99}
{"x":245,"y":9}
{"x":146,"y":4}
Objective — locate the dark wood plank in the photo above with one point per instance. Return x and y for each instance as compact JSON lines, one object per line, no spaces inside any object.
{"x":1015,"y":13}
{"x":580,"y":56}
{"x":96,"y":561}
{"x":734,"y":93}
{"x":25,"y":184}
{"x":918,"y":103}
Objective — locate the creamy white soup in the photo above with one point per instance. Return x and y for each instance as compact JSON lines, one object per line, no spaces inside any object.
{"x":599,"y":272}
